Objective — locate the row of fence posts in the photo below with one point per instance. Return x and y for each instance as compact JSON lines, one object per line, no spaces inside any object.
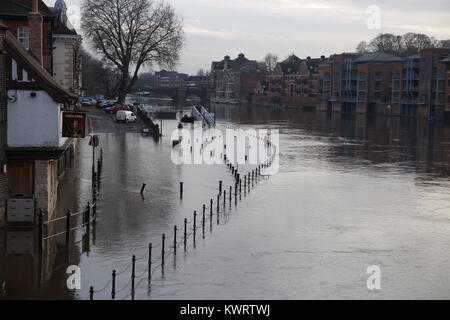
{"x":86,"y":213}
{"x":250,"y":180}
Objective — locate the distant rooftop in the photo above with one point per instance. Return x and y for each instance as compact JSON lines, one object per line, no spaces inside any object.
{"x":377,"y":57}
{"x":240,"y":63}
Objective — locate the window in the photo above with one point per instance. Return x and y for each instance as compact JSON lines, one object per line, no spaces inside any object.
{"x":24,"y":36}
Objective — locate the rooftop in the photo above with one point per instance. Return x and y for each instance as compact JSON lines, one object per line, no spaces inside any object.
{"x":15,"y":8}
{"x":377,"y":57}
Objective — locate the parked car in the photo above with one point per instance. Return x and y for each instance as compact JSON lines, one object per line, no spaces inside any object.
{"x":117,"y":107}
{"x":107,"y":104}
{"x":87,"y":101}
{"x":125,"y":116}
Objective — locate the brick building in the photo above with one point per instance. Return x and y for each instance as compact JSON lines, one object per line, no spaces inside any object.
{"x":293,"y":81}
{"x":198,"y":81}
{"x":374,"y":82}
{"x":444,"y":66}
{"x":419,"y":84}
{"x":169,"y":79}
{"x":324,"y":76}
{"x":32,"y":26}
{"x":235,"y":80}
{"x":379,"y":83}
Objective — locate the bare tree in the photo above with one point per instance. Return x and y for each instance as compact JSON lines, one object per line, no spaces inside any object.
{"x":406,"y":45}
{"x":270,"y":61}
{"x":201,"y":73}
{"x":384,"y":42}
{"x":362,"y":47}
{"x":445,"y":43}
{"x":98,"y":77}
{"x":133,"y":33}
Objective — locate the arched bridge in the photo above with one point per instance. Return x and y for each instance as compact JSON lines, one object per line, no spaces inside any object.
{"x":179,"y":95}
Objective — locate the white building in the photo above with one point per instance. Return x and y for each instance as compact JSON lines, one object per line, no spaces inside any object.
{"x":66,"y":53}
{"x":34,"y":142}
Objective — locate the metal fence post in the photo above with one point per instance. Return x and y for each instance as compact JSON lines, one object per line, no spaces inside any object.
{"x":185,"y":233}
{"x":133,"y":271}
{"x":113,"y":290}
{"x":149,"y":261}
{"x":162,"y":249}
{"x":181,"y":190}
{"x":195,"y":223}
{"x":175,"y":240}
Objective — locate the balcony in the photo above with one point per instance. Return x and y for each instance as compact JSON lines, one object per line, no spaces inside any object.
{"x":439,"y":76}
{"x":439,"y":89}
{"x":411,"y":89}
{"x":334,"y":99}
{"x":438,"y":102}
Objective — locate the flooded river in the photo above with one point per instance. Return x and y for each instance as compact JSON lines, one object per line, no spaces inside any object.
{"x":350,"y":193}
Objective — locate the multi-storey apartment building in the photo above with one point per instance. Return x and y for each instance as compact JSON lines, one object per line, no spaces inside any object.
{"x":374,"y":74}
{"x":343,"y":82}
{"x":418,"y":85}
{"x":282,"y":82}
{"x":293,"y":81}
{"x":324,"y":76}
{"x":169,"y":79}
{"x":235,"y":80}
{"x":444,"y":67}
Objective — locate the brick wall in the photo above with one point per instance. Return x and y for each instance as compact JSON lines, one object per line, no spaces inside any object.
{"x":46,"y":38}
{"x":35,"y":24}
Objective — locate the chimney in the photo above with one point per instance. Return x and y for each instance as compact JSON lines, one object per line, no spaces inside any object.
{"x":35,"y":6}
{"x":35,"y":32}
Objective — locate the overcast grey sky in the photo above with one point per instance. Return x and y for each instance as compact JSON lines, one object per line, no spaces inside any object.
{"x":215,"y":28}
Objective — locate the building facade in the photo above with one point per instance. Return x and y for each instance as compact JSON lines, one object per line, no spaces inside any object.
{"x":67,"y":67}
{"x":234,"y":80}
{"x":370,"y":83}
{"x":293,"y":81}
{"x":31,"y":22}
{"x":169,"y":79}
{"x":33,"y":153}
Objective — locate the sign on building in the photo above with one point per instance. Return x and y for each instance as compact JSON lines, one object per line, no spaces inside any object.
{"x":74,"y":125}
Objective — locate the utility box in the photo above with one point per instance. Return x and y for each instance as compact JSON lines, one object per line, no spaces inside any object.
{"x":20,"y":211}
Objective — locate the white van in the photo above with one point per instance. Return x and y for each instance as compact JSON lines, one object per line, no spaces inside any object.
{"x":125,"y":116}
